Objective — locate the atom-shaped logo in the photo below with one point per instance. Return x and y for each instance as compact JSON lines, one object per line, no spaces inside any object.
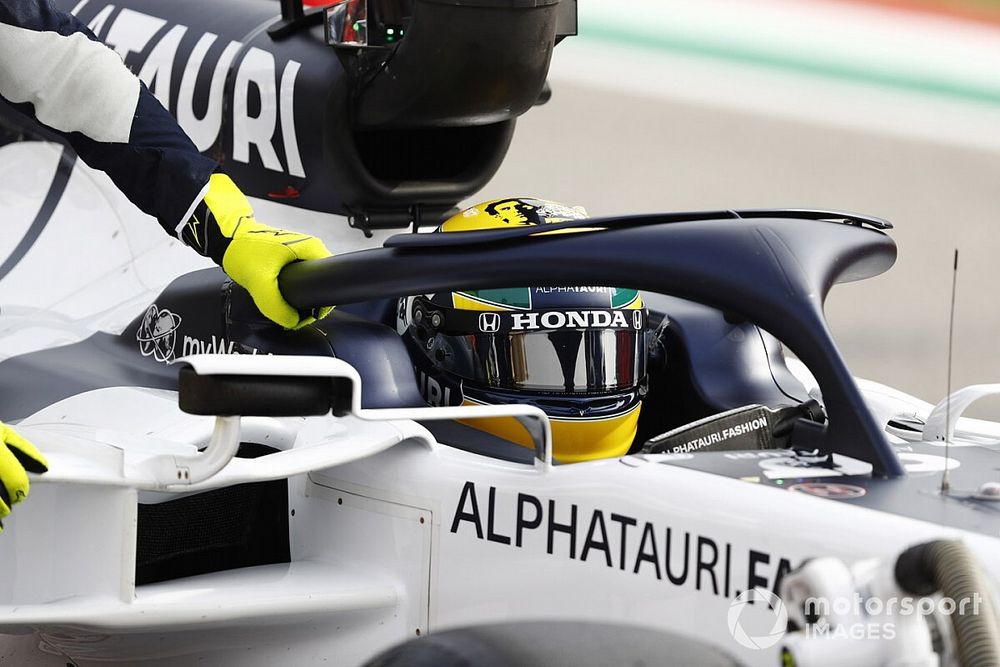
{"x":157,"y":334}
{"x":771,"y":603}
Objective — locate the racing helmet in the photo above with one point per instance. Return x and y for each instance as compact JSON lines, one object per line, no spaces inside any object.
{"x":578,"y":353}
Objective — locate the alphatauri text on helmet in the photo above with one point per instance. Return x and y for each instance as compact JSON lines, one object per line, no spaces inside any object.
{"x":579,"y":289}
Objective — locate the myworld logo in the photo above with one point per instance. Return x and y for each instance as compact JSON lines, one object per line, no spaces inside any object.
{"x":158,"y":333}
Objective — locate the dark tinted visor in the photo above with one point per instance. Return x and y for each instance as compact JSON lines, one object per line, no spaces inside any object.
{"x":589,"y":360}
{"x":564,"y":359}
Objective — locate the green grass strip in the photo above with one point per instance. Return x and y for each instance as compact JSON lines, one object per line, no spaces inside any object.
{"x":672,"y":43}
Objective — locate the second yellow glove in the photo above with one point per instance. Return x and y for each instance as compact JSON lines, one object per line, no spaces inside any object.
{"x":18,"y":457}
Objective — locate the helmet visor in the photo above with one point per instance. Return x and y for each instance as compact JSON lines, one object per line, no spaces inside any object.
{"x":558,"y":360}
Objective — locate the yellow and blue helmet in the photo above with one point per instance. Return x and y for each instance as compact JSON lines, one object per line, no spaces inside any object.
{"x":578,"y":353}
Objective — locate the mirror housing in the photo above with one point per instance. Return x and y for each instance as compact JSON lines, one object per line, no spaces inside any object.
{"x":489,"y":58}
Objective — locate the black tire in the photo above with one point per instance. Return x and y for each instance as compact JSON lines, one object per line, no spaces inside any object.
{"x":550,"y":644}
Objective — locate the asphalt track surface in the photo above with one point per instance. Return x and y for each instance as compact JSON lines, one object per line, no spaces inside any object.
{"x":615,"y":151}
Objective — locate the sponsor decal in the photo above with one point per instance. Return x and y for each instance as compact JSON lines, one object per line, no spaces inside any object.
{"x":437,"y":392}
{"x":829,"y":490}
{"x":721,"y":435}
{"x":584,"y":296}
{"x":573,"y":290}
{"x":213,"y":346}
{"x":576,"y":319}
{"x":547,"y":320}
{"x":157,"y":334}
{"x":651,"y":549}
{"x":489,"y":322}
{"x":264,"y":91}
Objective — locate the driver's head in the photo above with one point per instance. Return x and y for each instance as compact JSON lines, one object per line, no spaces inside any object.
{"x":577,"y":352}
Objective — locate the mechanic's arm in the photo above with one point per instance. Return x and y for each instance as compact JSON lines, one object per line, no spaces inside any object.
{"x":53,"y":69}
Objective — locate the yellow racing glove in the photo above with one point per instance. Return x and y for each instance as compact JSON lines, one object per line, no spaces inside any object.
{"x":18,"y":457}
{"x":223,"y":228}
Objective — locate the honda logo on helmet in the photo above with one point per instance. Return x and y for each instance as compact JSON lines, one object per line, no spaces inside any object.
{"x":489,"y":322}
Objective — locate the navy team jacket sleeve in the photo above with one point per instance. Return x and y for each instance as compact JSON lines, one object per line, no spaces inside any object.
{"x":53,"y":69}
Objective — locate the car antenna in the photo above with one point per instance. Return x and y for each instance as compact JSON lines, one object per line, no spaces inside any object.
{"x":945,"y":481}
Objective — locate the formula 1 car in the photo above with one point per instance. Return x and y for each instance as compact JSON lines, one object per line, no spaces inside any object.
{"x":227,"y":492}
{"x":341,"y":515}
